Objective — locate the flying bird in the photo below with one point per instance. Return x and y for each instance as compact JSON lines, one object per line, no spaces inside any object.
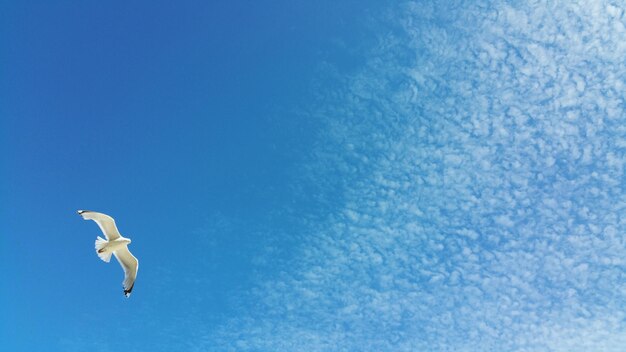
{"x":115,"y":245}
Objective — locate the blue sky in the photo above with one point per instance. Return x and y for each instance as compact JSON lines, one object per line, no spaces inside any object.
{"x":408,"y":176}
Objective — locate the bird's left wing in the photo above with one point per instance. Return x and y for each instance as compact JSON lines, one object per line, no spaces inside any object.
{"x":105,"y":222}
{"x":130,"y":264}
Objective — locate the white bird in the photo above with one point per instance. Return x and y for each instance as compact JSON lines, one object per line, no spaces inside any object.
{"x":116,"y":245}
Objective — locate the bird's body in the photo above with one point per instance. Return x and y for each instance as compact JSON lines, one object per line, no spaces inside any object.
{"x":116,"y":245}
{"x":112,"y":246}
{"x":105,"y":248}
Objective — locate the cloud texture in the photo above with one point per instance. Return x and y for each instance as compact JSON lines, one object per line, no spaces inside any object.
{"x":479,"y":161}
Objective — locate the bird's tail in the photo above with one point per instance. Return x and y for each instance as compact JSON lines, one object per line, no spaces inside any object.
{"x":101,"y":251}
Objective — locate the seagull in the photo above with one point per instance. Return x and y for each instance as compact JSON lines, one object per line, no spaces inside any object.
{"x":116,"y":245}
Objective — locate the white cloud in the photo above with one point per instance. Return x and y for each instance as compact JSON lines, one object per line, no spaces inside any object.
{"x":482,"y":189}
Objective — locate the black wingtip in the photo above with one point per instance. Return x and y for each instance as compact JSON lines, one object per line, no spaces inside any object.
{"x":127,"y":292}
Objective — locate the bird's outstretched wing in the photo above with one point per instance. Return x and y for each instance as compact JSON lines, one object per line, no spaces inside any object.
{"x":105,"y":222}
{"x":130,"y":264}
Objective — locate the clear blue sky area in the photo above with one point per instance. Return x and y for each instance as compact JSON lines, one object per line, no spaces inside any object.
{"x":314,"y":175}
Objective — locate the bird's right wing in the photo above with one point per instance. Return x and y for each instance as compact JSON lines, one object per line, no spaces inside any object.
{"x":130,"y":264}
{"x":105,"y":222}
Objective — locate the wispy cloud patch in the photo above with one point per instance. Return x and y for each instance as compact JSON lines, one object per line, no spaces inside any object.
{"x":480,"y":154}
